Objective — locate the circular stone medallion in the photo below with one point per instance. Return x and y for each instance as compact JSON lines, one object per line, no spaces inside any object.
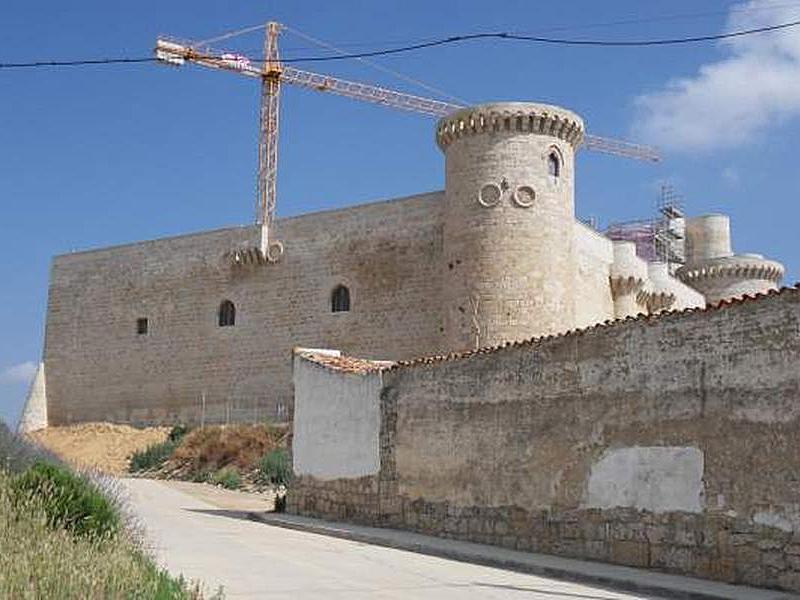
{"x":489,"y":196}
{"x":524,"y":196}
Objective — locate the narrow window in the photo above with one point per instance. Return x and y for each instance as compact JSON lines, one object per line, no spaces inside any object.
{"x":553,"y":165}
{"x":141,"y":326}
{"x":340,"y":299}
{"x":227,"y":314}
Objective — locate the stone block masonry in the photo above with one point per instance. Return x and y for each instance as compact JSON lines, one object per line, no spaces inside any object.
{"x":132,"y":332}
{"x":666,"y":442}
{"x":100,"y":368}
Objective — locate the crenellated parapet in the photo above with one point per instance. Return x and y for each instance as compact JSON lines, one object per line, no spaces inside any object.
{"x":657,"y":301}
{"x":715,"y":271}
{"x":746,"y":266}
{"x":522,"y":117}
{"x":628,"y":278}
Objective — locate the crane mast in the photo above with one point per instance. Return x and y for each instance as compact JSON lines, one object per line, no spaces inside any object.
{"x":267,"y":180}
{"x":273,"y":73}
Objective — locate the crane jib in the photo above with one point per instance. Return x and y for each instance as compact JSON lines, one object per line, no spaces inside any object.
{"x":273,"y":73}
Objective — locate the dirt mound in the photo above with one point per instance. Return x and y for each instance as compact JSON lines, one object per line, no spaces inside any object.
{"x":102,"y":446}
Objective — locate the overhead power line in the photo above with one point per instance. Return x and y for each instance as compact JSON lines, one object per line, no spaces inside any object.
{"x":549,"y":40}
{"x":442,"y":42}
{"x":75,"y":63}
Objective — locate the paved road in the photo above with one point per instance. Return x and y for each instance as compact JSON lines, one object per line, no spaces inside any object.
{"x":252,"y":560}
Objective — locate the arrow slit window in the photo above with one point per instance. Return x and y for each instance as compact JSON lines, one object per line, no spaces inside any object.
{"x":227,"y":314}
{"x":553,"y":165}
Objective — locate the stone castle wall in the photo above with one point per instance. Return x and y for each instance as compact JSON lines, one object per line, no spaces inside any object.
{"x":497,"y":256}
{"x":98,"y":368}
{"x":666,"y":442}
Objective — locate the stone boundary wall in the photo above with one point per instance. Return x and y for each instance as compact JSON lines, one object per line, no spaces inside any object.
{"x":573,"y":445}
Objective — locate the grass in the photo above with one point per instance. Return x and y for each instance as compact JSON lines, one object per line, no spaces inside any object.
{"x":152,"y":457}
{"x":274,"y":467}
{"x":64,"y":535}
{"x":38,"y":560}
{"x":67,"y":500}
{"x":227,"y":477}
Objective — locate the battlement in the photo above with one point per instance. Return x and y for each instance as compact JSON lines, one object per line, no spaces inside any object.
{"x":527,"y":117}
{"x":745,"y":266}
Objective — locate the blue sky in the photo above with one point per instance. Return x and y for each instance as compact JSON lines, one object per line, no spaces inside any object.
{"x":104,"y":155}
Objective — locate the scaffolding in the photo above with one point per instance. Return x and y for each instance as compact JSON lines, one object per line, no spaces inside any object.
{"x":661,"y":238}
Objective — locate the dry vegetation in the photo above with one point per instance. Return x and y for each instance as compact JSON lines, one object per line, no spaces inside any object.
{"x":101,"y":446}
{"x":251,"y":457}
{"x":212,"y":448}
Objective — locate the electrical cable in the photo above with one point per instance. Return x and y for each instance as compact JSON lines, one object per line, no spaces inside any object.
{"x":75,"y":63}
{"x":377,"y":66}
{"x":445,"y":41}
{"x":548,"y":40}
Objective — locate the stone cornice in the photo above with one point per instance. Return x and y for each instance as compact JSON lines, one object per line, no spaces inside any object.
{"x":253,"y":255}
{"x":539,"y":119}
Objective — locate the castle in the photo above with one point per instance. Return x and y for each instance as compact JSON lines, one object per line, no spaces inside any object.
{"x":201,"y":326}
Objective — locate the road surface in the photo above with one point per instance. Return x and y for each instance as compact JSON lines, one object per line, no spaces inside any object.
{"x":215,"y":544}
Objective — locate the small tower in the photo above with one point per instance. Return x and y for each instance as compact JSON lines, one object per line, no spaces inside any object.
{"x":715,"y":271}
{"x":509,"y":259}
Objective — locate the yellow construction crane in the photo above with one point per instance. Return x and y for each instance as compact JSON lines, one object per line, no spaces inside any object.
{"x":273,"y":73}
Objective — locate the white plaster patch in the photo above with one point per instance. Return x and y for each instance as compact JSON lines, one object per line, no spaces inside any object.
{"x":655,"y":478}
{"x":779,"y":521}
{"x":336,"y":422}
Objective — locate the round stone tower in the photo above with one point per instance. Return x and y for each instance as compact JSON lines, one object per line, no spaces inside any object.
{"x":509,"y":257}
{"x":715,"y":271}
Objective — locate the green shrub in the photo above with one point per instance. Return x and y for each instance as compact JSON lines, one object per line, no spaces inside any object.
{"x":68,"y":501}
{"x":177,"y":432}
{"x":274,"y":468}
{"x":227,"y":477}
{"x":153,"y":456}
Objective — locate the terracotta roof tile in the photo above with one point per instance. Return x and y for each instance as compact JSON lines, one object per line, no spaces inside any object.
{"x":347,"y":364}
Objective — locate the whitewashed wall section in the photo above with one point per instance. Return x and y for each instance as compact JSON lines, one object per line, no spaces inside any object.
{"x":336,"y":421}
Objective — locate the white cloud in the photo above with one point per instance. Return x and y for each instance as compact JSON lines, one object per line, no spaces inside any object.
{"x":735,"y":100}
{"x":21,"y":373}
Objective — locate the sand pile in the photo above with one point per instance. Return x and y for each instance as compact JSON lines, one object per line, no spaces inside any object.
{"x":102,"y":446}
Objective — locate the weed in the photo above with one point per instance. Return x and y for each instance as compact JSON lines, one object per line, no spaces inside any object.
{"x":227,"y":477}
{"x":153,"y":456}
{"x":274,"y":468}
{"x":177,"y":432}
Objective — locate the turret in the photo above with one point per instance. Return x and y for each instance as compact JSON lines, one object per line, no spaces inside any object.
{"x":715,"y":271}
{"x":509,"y":257}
